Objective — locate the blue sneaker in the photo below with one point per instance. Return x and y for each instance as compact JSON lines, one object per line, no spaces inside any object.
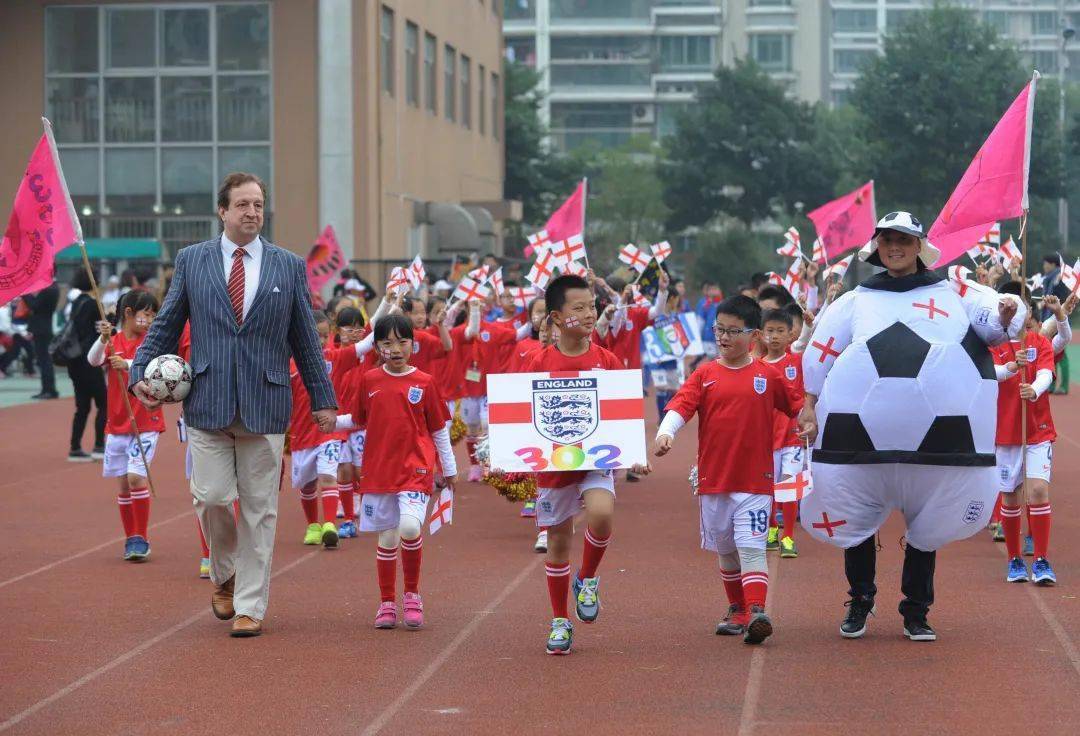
{"x":587,"y":599}
{"x":127,"y":547}
{"x":1018,"y":572}
{"x":561,"y":636}
{"x":1042,"y":573}
{"x":347,"y":530}
{"x":140,"y":549}
{"x":1029,"y":546}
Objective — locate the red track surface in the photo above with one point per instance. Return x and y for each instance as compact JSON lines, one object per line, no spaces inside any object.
{"x":95,"y":645}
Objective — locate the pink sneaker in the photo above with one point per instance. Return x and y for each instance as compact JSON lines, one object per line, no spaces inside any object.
{"x":475,"y":474}
{"x":386,"y":618}
{"x":414,"y":611}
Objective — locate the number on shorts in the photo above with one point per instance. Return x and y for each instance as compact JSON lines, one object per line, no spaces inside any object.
{"x":759,"y":521}
{"x":608,"y":460}
{"x":533,"y":457}
{"x":133,"y":449}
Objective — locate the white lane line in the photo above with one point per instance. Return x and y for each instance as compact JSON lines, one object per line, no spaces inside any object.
{"x":756,"y":675}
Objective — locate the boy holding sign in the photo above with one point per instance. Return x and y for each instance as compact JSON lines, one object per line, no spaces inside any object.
{"x":736,"y":397}
{"x":572,"y":308}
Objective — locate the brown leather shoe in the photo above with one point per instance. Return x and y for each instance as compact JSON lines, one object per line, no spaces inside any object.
{"x":222,"y":600}
{"x":246,"y":626}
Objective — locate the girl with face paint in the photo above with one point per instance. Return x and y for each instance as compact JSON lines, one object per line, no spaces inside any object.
{"x":123,"y":461}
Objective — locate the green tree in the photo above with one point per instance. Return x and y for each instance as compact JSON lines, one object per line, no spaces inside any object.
{"x":745,"y":150}
{"x":729,"y":255}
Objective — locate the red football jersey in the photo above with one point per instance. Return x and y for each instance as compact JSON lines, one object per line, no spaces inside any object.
{"x":1040,"y":424}
{"x":736,"y":409}
{"x":183,"y":347}
{"x":118,"y":421}
{"x":427,"y":351}
{"x":549,"y":359}
{"x":786,"y":428}
{"x":627,"y":344}
{"x":489,"y":353}
{"x":304,"y":433}
{"x":448,"y":369}
{"x":406,"y":410}
{"x":522,"y":353}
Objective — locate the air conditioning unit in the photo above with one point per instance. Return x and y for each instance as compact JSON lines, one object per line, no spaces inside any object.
{"x":644,"y":114}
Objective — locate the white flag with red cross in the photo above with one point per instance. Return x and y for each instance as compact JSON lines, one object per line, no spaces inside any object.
{"x":522,"y":295}
{"x":480,"y":274}
{"x":442,"y":511}
{"x":792,"y":247}
{"x":1009,"y":253}
{"x":840,"y":268}
{"x":818,"y":255}
{"x":958,"y":277}
{"x":469,"y":289}
{"x":567,"y":251}
{"x":795,"y":488}
{"x":774,"y":278}
{"x":574,"y":269}
{"x":981,"y":250}
{"x":496,"y":281}
{"x":399,"y":281}
{"x":993,"y":235}
{"x":537,"y":241}
{"x":1070,"y":277}
{"x":416,"y":273}
{"x":542,"y":269}
{"x":640,"y":300}
{"x":632,"y":256}
{"x":661,"y":251}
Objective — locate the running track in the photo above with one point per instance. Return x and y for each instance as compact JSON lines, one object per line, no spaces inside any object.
{"x":94,"y":645}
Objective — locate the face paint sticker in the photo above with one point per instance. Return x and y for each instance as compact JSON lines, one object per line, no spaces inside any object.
{"x":572,"y":322}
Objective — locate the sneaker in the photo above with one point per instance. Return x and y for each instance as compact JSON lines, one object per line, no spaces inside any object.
{"x":1042,"y":573}
{"x":734,"y":623}
{"x":1018,"y":572}
{"x":1029,"y":546}
{"x":127,"y":547}
{"x":414,"y":611}
{"x":541,"y":542}
{"x":788,"y":548}
{"x":140,"y":549}
{"x":45,"y":395}
{"x":347,"y":530}
{"x":561,"y":636}
{"x":854,"y":624}
{"x":78,"y":456}
{"x":98,"y":453}
{"x":998,"y":530}
{"x":528,"y":511}
{"x":772,"y":542}
{"x":918,"y":630}
{"x":759,"y":628}
{"x":329,"y":537}
{"x":313,"y":535}
{"x":386,"y":617}
{"x":475,"y":474}
{"x":204,"y":568}
{"x":587,"y":599}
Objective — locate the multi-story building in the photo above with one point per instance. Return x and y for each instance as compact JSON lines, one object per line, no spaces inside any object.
{"x":382,"y":118}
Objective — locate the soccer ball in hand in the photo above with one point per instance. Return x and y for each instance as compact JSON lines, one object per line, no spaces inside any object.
{"x":169,"y":378}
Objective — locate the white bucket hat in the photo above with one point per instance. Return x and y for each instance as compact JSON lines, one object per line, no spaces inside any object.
{"x":903,"y":222}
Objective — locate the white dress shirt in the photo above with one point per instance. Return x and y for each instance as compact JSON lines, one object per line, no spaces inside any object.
{"x":252,"y":264}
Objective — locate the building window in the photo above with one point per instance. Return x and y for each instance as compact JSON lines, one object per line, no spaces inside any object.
{"x":895,"y":19}
{"x":412,"y":64}
{"x":518,"y":9}
{"x":772,"y":51}
{"x":997,"y":19}
{"x":152,"y":105}
{"x":1044,"y":23}
{"x":1045,"y":61}
{"x":466,"y":91}
{"x":855,"y":21}
{"x":851,"y":61}
{"x":522,"y":50}
{"x":386,"y":49}
{"x":481,"y":107}
{"x":431,"y":84}
{"x":687,"y":52}
{"x":762,"y":3}
{"x":450,"y":81}
{"x":496,"y":110}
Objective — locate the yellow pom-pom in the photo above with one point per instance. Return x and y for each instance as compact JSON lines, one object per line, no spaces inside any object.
{"x":514,"y":487}
{"x":457,"y":430}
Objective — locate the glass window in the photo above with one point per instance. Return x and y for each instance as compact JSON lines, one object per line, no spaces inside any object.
{"x":244,"y":108}
{"x":450,"y":81}
{"x":1045,"y":61}
{"x":243,"y":42}
{"x":1044,"y":23}
{"x":185,"y":37}
{"x":600,"y":9}
{"x":466,"y":91}
{"x":772,"y":51}
{"x":71,"y":40}
{"x":481,"y":107}
{"x":601,"y":48}
{"x":997,"y":19}
{"x":848,"y":61}
{"x":187,"y":180}
{"x":431,"y":83}
{"x":686,"y":52}
{"x":496,"y":106}
{"x":130,"y":115}
{"x":130,"y":180}
{"x":386,"y":48}
{"x":895,"y":19}
{"x":522,"y":50}
{"x":131,"y":39}
{"x":855,"y":21}
{"x":756,"y":3}
{"x":255,"y":159}
{"x":412,"y":64}
{"x":186,"y":109}
{"x":74,"y":107}
{"x":82,"y":173}
{"x":518,"y":9}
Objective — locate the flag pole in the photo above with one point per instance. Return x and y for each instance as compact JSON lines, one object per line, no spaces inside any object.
{"x":584,"y":201}
{"x":1023,"y":401}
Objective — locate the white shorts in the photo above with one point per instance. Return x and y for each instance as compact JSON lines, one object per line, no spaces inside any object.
{"x":1040,"y":458}
{"x":311,"y":462}
{"x":733,"y":520}
{"x":940,"y":504}
{"x":556,"y":505}
{"x":122,"y":456}
{"x":352,"y":450}
{"x":474,"y":411}
{"x":787,"y":462}
{"x":382,"y":511}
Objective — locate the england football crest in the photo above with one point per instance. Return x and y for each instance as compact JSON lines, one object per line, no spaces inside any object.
{"x":760,"y":384}
{"x":790,"y":373}
{"x":329,"y":367}
{"x":973,"y":512}
{"x":565,"y":410}
{"x":415,"y":394}
{"x":485,"y":336}
{"x":415,"y":346}
{"x":1032,"y":353}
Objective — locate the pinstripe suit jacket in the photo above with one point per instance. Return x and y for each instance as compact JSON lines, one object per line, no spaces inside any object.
{"x":241,"y":369}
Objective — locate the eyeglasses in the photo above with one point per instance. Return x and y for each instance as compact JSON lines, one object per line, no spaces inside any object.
{"x":732,"y":332}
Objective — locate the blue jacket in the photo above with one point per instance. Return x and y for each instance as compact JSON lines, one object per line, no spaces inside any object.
{"x":241,"y":369}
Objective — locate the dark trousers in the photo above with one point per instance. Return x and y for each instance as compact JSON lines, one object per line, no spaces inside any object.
{"x":89,"y":384}
{"x":20,"y":346}
{"x":916,"y":583}
{"x":44,"y":362}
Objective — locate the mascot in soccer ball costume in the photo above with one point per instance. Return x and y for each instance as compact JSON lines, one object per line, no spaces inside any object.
{"x":902,"y":400}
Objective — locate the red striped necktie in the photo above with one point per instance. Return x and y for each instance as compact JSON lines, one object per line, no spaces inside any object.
{"x":236,"y":284}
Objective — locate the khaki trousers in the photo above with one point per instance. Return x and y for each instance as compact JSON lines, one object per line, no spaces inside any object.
{"x":227,"y":464}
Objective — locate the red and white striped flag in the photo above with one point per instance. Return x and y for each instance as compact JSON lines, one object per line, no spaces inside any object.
{"x":442,"y":512}
{"x":416,"y":272}
{"x":537,"y":241}
{"x":840,"y":268}
{"x":661,"y":251}
{"x":470,"y":289}
{"x":542,"y":269}
{"x":795,"y":488}
{"x":633,"y":257}
{"x":792,"y":247}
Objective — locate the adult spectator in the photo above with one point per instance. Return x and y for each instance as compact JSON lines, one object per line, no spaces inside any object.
{"x":88,"y":381}
{"x":39,"y":323}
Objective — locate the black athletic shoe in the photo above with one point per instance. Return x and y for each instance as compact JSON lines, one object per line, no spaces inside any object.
{"x":854,"y":624}
{"x":45,"y":396}
{"x":919,"y":630}
{"x":760,"y":627}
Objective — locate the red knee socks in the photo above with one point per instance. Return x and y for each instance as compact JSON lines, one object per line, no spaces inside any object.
{"x":345,"y":490}
{"x":733,"y":587}
{"x":140,"y":510}
{"x":558,"y":582}
{"x":1039,"y":527}
{"x":791,"y":510}
{"x":309,"y":500}
{"x":755,"y":587}
{"x":412,"y":551}
{"x":329,"y":503}
{"x":592,"y":554}
{"x":1010,"y":524}
{"x":386,"y":568}
{"x":126,"y":517}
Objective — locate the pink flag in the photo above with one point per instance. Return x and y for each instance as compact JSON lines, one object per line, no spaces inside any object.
{"x":42,"y":222}
{"x":995,"y":185}
{"x":324,"y":260}
{"x":569,"y":219}
{"x":847,"y":222}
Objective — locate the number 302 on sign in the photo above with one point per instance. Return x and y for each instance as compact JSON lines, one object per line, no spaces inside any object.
{"x":570,"y":457}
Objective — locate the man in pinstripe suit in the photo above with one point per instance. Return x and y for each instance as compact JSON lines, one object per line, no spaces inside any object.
{"x":249,"y":309}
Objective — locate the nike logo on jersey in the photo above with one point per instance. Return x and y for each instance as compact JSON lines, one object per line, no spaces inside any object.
{"x":372,"y":393}
{"x":522,"y":355}
{"x":707,"y":384}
